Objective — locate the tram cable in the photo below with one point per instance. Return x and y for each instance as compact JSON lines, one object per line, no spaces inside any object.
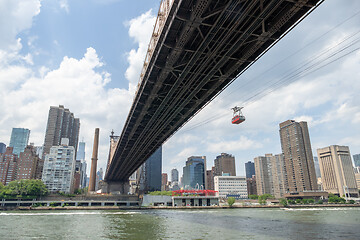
{"x":294,"y":75}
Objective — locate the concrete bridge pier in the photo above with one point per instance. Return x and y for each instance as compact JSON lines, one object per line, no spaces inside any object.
{"x":115,"y":187}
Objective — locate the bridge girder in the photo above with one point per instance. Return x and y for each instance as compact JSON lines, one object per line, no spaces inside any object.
{"x":204,"y":45}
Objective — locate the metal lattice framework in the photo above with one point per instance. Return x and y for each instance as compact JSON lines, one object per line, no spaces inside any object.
{"x":198,"y":48}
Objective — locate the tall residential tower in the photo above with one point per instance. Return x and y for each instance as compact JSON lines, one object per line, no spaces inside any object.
{"x":61,"y":124}
{"x":299,"y":163}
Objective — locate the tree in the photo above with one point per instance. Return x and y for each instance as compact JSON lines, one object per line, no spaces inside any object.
{"x":283,"y":202}
{"x":304,"y":201}
{"x":291,"y":201}
{"x":36,"y":188}
{"x":231,"y":201}
{"x":253,"y":196}
{"x":24,"y":188}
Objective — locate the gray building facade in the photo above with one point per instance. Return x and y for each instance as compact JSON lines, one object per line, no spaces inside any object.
{"x":356,"y":160}
{"x":249,"y":169}
{"x":149,"y":174}
{"x":2,"y":147}
{"x":61,"y":124}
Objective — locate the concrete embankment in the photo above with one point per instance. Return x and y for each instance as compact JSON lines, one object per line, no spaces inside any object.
{"x":179,"y":208}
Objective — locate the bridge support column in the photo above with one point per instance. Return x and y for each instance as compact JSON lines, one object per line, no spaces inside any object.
{"x":115,"y":187}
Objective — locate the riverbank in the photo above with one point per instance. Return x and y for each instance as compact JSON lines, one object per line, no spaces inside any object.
{"x":28,"y":208}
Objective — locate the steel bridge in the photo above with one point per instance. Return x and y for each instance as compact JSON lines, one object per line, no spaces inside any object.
{"x":197,"y":49}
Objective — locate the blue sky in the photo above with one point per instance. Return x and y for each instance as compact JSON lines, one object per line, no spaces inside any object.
{"x":87,"y":55}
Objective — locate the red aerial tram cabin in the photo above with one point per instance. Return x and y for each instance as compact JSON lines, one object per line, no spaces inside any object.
{"x":238,"y":117}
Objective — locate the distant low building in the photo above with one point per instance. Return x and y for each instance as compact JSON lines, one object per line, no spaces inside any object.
{"x":231,"y":186}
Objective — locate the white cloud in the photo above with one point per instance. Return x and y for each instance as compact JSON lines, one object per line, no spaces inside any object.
{"x":79,"y":85}
{"x":243,"y":143}
{"x":64,"y":5}
{"x":183,"y":155}
{"x":18,"y":16}
{"x":140,"y":30}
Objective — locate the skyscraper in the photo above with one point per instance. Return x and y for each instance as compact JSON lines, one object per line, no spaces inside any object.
{"x":299,"y":163}
{"x":278,"y":173}
{"x":194,"y":173}
{"x":263,"y":173}
{"x":61,"y":124}
{"x":317,"y":167}
{"x":81,"y":164}
{"x":225,"y":164}
{"x":19,"y":139}
{"x":356,"y":160}
{"x":174,"y":175}
{"x":2,"y":147}
{"x":150,"y":172}
{"x":249,"y":169}
{"x":59,"y":168}
{"x":81,"y":151}
{"x":337,"y":171}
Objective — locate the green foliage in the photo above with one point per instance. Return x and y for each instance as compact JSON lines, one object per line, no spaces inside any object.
{"x":52,"y":204}
{"x":61,"y":193}
{"x":253,"y":196}
{"x":311,"y":201}
{"x":262,"y":202}
{"x":304,"y":201}
{"x":291,"y":201}
{"x":266,"y":196}
{"x":352,"y":201}
{"x":78,"y":191}
{"x":298,"y":200}
{"x":164,"y":193}
{"x":28,"y":189}
{"x":320,"y":202}
{"x":335,"y":199}
{"x":231,"y":201}
{"x":283,"y":202}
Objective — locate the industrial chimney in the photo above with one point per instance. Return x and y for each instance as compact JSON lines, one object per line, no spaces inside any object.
{"x":94,"y":159}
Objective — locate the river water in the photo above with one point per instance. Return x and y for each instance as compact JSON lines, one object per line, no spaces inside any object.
{"x":319,"y":223}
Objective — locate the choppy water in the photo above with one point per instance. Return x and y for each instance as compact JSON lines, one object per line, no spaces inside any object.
{"x":317,"y":223}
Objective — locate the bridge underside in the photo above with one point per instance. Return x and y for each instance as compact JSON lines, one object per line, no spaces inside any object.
{"x":203,"y":47}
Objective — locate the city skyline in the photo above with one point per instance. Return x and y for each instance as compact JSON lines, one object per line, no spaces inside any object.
{"x":87,"y":75}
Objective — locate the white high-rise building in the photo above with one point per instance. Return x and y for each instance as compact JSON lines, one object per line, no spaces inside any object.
{"x":231,"y":186}
{"x":59,"y":168}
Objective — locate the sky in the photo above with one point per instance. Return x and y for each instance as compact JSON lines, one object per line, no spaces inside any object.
{"x":87,"y":56}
